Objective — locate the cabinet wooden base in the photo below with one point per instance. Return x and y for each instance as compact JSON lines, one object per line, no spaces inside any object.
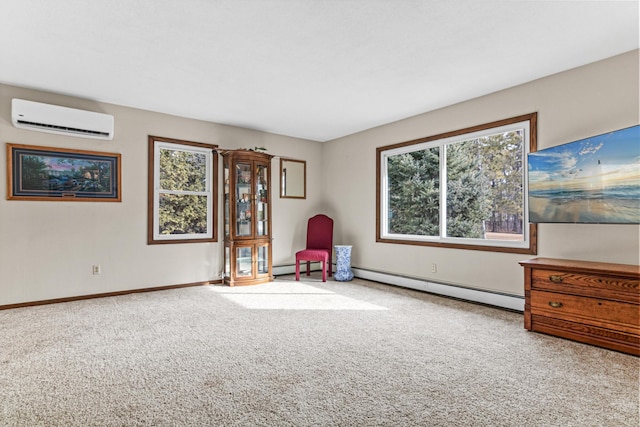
{"x":243,"y":282}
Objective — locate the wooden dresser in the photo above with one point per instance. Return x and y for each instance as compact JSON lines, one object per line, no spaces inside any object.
{"x":592,"y":302}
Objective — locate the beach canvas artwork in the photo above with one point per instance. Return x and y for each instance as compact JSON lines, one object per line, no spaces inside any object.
{"x":594,"y":180}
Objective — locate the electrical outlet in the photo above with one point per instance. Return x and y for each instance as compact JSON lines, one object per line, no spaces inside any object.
{"x":434,"y":268}
{"x":96,"y":270}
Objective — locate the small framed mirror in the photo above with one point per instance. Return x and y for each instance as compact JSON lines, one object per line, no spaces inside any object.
{"x":293,"y":179}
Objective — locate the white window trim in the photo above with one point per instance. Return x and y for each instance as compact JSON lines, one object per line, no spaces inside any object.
{"x":158,"y":146}
{"x":524,"y":125}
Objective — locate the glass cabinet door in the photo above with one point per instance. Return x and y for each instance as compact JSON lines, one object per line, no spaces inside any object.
{"x":227,"y":262}
{"x":243,"y":199}
{"x":263,"y":259}
{"x":226,"y":198}
{"x":244,"y":263}
{"x":262,"y":211}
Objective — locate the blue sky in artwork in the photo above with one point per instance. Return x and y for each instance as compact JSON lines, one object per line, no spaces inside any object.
{"x":610,"y":159}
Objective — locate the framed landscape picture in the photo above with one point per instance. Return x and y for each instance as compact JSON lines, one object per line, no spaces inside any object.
{"x":593,"y":180}
{"x":46,"y":173}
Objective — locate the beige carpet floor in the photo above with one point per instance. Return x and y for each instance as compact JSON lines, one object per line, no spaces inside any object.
{"x":301,"y":354}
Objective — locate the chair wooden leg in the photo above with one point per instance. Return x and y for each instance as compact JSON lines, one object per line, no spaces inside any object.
{"x":308,"y":268}
{"x":330,"y":267}
{"x":324,"y":271}
{"x":297,"y":270}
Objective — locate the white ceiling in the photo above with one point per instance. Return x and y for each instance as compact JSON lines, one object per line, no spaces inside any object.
{"x":316,"y":69}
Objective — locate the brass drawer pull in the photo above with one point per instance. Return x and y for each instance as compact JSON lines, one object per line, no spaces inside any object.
{"x":556,"y":279}
{"x":555,"y":304}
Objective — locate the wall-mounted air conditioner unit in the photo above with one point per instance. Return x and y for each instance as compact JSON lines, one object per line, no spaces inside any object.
{"x":61,"y":120}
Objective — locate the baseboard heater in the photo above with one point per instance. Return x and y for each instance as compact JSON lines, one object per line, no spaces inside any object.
{"x":497,"y":299}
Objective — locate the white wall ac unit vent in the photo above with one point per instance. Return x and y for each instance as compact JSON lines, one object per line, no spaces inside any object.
{"x":61,"y":120}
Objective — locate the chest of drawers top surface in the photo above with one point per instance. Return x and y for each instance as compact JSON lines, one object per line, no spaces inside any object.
{"x":605,"y":268}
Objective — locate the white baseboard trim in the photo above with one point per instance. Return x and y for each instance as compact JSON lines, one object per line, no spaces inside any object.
{"x":497,"y":299}
{"x":511,"y":302}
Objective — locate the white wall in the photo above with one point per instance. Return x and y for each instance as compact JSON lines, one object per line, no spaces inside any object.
{"x":47,"y":248}
{"x":576,"y":104}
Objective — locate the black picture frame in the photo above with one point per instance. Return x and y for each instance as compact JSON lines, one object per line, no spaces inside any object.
{"x":61,"y":174}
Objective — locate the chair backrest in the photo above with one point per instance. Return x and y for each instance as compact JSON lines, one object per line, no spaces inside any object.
{"x":320,"y":232}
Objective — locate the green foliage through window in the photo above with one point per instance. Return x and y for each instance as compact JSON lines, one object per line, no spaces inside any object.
{"x":466,"y":186}
{"x":183,"y":191}
{"x":182,"y":214}
{"x":414,"y":193}
{"x":183,"y":170}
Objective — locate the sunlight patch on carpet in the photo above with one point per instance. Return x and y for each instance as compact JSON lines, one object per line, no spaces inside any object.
{"x":284,"y":295}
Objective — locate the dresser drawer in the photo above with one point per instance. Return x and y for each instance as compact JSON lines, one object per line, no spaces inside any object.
{"x":604,"y":337}
{"x":621,"y":289}
{"x":604,"y":313}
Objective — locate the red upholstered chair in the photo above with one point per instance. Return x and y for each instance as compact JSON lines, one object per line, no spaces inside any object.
{"x":319,"y":245}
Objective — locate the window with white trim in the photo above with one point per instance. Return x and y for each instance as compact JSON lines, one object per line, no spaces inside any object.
{"x":181,"y":191}
{"x":463,"y":189}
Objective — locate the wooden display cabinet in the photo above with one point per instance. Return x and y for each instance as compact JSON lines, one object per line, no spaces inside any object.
{"x":247,"y":217}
